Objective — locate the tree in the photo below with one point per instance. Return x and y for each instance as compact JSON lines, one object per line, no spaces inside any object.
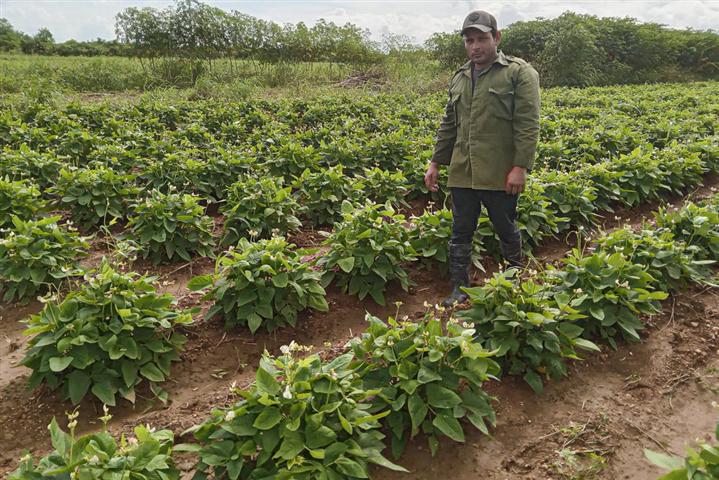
{"x":9,"y":38}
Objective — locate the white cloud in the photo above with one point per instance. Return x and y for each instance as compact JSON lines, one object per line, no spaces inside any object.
{"x":88,"y":19}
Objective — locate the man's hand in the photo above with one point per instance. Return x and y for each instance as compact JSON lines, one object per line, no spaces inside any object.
{"x":431,"y":177}
{"x":514,"y":184}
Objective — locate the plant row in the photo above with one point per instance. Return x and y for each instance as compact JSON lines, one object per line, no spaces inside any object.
{"x":366,"y":251}
{"x":305,"y":417}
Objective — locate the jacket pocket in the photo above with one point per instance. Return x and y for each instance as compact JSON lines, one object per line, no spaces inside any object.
{"x":454,"y":99}
{"x":501,"y":103}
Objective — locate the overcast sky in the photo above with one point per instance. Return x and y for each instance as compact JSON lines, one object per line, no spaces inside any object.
{"x":89,"y":19}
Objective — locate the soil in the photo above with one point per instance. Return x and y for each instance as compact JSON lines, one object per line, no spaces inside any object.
{"x":595,"y":423}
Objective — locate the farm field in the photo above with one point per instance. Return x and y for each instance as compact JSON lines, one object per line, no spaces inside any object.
{"x":255,"y":224}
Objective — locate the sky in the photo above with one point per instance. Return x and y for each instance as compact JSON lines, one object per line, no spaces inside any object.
{"x":418,"y":19}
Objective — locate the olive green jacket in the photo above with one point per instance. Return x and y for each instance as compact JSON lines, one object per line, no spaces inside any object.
{"x":483,"y":135}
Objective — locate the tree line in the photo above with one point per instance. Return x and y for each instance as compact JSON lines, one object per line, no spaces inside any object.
{"x":573,"y":49}
{"x":583,"y":50}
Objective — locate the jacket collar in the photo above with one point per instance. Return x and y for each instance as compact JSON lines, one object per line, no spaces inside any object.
{"x":501,"y":59}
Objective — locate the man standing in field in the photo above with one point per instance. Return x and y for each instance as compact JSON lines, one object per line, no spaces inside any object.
{"x":488,"y":138}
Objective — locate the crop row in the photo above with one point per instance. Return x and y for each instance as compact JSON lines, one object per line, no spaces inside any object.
{"x":305,"y":417}
{"x":367,"y":246}
{"x":202,"y":149}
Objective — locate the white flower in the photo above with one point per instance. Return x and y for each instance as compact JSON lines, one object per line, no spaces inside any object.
{"x":229,"y":416}
{"x":287,"y":394}
{"x":285,"y":350}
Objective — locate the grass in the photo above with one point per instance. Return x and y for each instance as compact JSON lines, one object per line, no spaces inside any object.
{"x":40,"y":76}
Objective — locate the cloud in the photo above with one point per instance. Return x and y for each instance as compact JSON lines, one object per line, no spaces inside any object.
{"x":89,"y":19}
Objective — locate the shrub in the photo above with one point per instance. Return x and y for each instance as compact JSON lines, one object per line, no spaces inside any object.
{"x":430,"y":235}
{"x":95,"y":196}
{"x":694,"y":224}
{"x":98,"y":455}
{"x":19,"y":198}
{"x":106,"y":338}
{"x":321,"y":193}
{"x":263,"y":283}
{"x":610,"y":290}
{"x":36,"y":255}
{"x":671,"y":263}
{"x":258,"y":209}
{"x":367,"y":250}
{"x":531,"y":329}
{"x":171,"y":225}
{"x":382,"y":186}
{"x":429,"y":379}
{"x":302,"y":419}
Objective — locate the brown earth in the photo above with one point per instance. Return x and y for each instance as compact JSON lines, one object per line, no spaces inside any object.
{"x":593,"y":424}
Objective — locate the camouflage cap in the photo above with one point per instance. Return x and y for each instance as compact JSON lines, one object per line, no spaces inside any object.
{"x":481,"y":20}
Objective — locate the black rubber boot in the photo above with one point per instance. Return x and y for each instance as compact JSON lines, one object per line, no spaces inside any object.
{"x":512,"y":253}
{"x":459,"y":258}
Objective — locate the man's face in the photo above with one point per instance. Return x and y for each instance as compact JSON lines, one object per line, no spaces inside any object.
{"x":481,"y":46}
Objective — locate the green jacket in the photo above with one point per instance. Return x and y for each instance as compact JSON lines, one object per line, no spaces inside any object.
{"x":485,"y":133}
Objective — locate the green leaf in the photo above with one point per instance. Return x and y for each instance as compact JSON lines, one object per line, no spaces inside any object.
{"x":266,"y":382}
{"x":346,"y":264}
{"x":151,"y":372}
{"x":78,"y":382}
{"x":61,"y":441}
{"x":426,"y":375}
{"x":280,"y":280}
{"x":254,"y":322}
{"x":351,"y":468}
{"x":534,"y":381}
{"x":292,"y":444}
{"x":597,"y":312}
{"x":105,"y":393}
{"x":441,"y":397}
{"x":58,"y":364}
{"x":663,"y":461}
{"x":586,"y":344}
{"x":417,"y":410}
{"x":449,"y":426}
{"x":268,"y":418}
{"x":200,"y":282}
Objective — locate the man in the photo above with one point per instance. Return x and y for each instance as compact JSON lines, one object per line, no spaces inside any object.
{"x":488,"y":138}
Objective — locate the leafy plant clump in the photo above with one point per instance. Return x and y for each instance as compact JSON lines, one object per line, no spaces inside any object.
{"x":429,"y":379}
{"x":259,"y":208}
{"x":382,"y":186}
{"x":37,"y":255}
{"x":532,"y":329}
{"x":265,"y":283}
{"x":96,"y":196}
{"x":611,"y":291}
{"x":672,"y":263}
{"x":322,"y":192}
{"x":171,"y":225}
{"x":695,"y":224}
{"x":99,"y":456}
{"x":19,"y":198}
{"x":367,"y":250}
{"x":302,"y":419}
{"x":429,"y":236}
{"x":106,"y":338}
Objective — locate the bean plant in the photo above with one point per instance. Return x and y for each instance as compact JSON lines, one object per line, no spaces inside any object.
{"x":110,"y":336}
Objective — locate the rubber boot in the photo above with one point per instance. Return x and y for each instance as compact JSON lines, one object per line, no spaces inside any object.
{"x":459,"y":258}
{"x":512,"y":253}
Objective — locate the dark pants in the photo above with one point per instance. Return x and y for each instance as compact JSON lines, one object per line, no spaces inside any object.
{"x":501,"y":209}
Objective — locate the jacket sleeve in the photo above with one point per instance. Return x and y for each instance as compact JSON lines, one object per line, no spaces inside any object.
{"x":446,"y":135}
{"x":526,"y":117}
